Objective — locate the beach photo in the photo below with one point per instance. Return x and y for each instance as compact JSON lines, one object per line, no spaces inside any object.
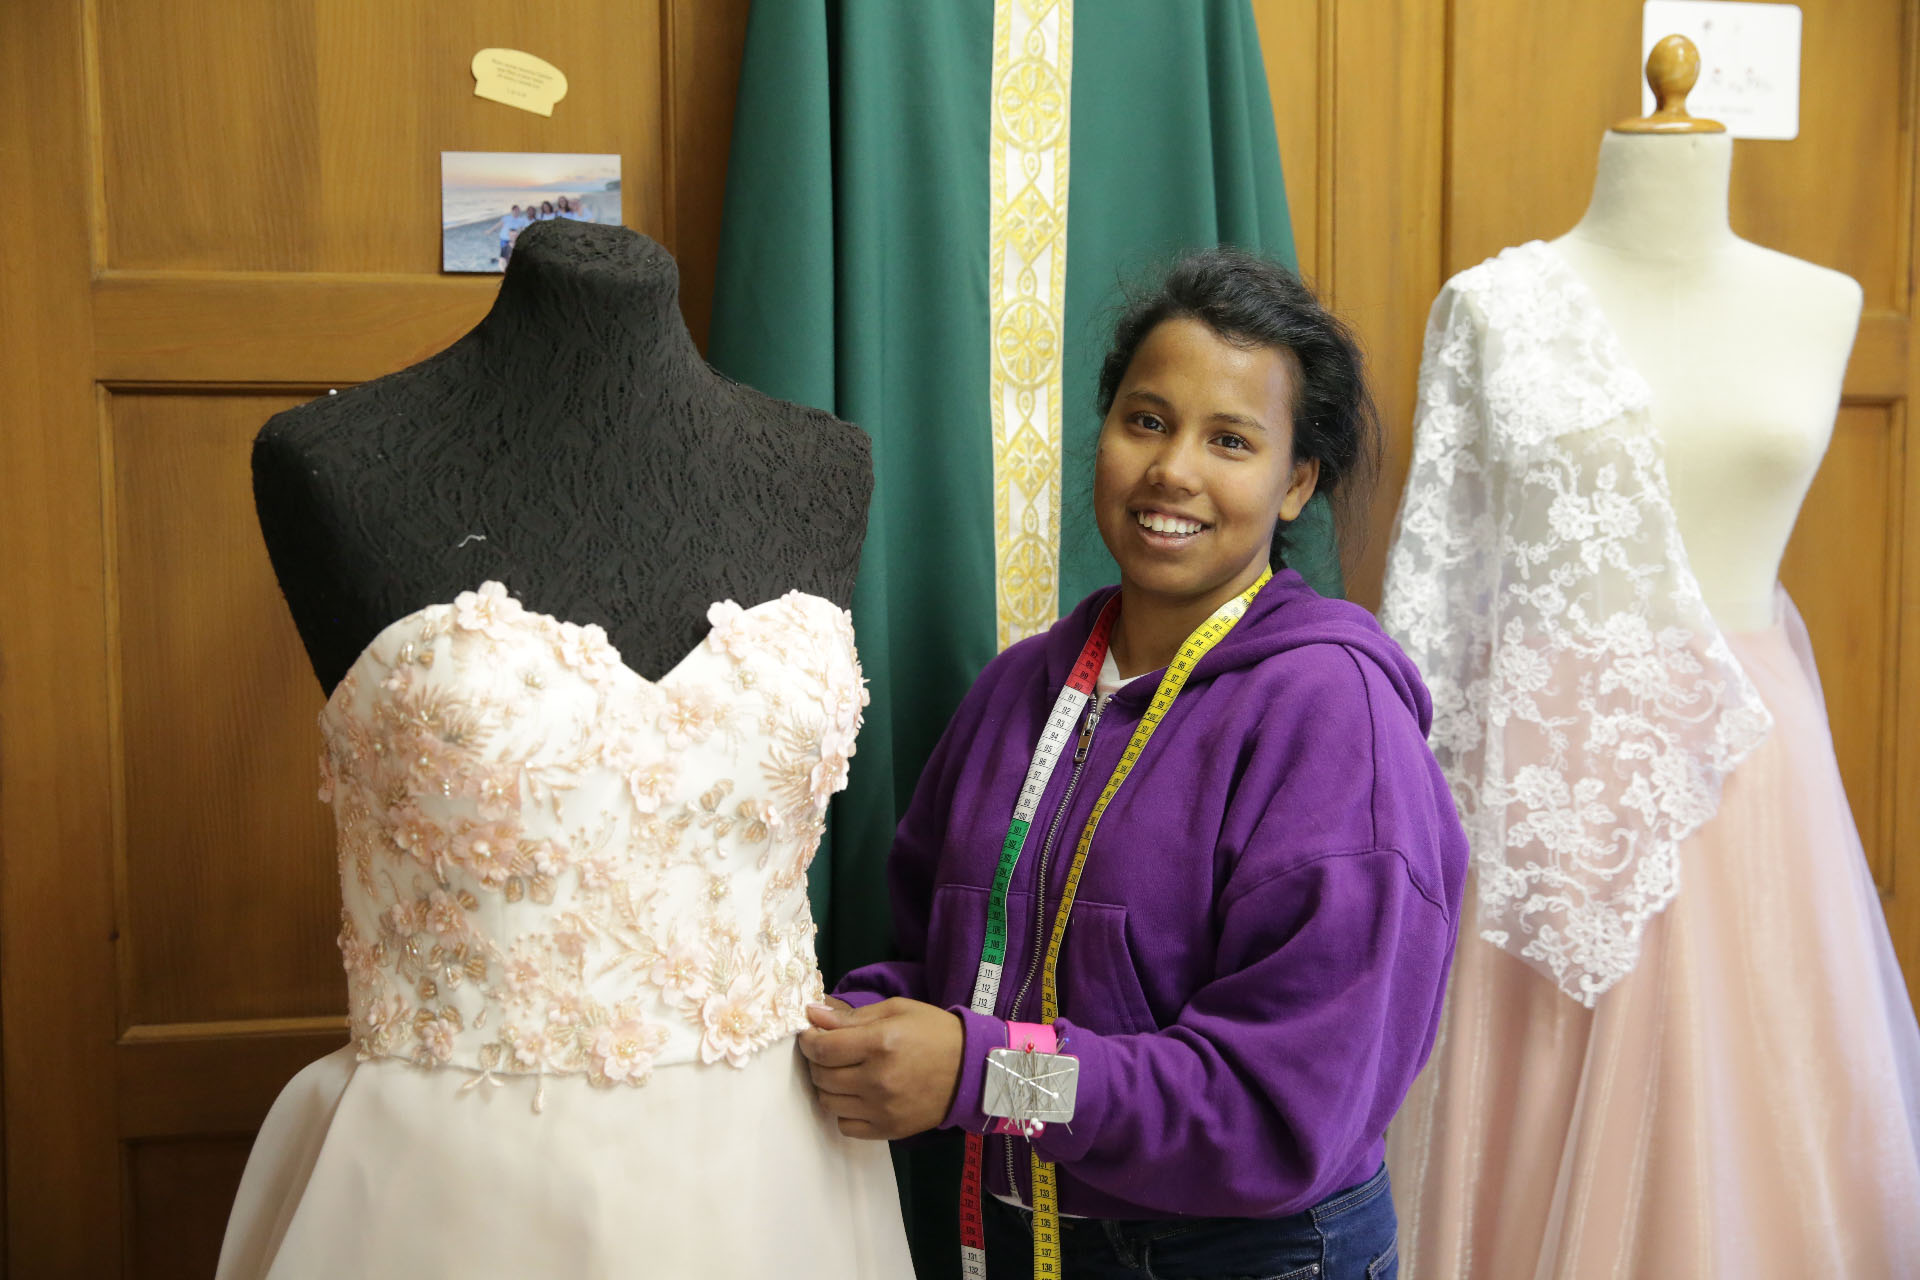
{"x":487,"y":198}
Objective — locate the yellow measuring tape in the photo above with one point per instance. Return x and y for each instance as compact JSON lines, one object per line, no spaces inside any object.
{"x":1046,"y":1187}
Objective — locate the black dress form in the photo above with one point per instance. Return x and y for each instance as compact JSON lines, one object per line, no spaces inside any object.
{"x":575,"y":447}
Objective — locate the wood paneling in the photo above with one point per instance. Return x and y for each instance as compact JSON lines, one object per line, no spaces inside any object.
{"x":1386,"y":216}
{"x":707,"y":40}
{"x":1834,"y":195}
{"x":305,"y":135}
{"x":1527,"y":102}
{"x":1877,"y":369}
{"x":1901,"y":889}
{"x":1850,"y":520}
{"x":56,"y":947}
{"x":1359,"y":106}
{"x":226,"y":860}
{"x":200,"y":327}
{"x":158,"y":1069}
{"x":176,"y":1195}
{"x":1296,"y":44}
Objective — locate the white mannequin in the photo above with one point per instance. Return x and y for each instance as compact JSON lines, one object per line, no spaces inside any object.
{"x":1745,"y":349}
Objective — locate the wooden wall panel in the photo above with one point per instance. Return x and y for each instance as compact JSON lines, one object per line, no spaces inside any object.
{"x":1386,"y":214}
{"x":707,"y":40}
{"x":157,"y":1069}
{"x":231,"y":902}
{"x":1846,"y":537}
{"x":235,"y":328}
{"x":1901,"y":892}
{"x":1834,"y":196}
{"x":304,"y":135}
{"x":1527,"y":102}
{"x":1358,"y":95}
{"x":56,"y":930}
{"x":1296,"y":41}
{"x":177,"y":1193}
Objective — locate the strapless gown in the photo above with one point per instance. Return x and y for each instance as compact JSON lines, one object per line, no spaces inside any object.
{"x":577,"y":945}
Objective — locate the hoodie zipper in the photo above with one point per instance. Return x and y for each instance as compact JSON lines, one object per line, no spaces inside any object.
{"x":1040,"y":885}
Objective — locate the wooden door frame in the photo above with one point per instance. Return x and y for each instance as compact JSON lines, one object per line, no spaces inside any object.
{"x":57,"y":976}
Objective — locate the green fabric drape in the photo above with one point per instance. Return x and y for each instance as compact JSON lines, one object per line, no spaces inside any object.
{"x":853,"y":278}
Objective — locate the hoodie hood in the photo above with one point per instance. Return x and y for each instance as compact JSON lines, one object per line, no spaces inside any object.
{"x":1286,"y":615}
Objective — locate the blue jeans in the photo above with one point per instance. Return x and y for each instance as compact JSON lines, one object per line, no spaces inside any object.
{"x":1348,"y":1236}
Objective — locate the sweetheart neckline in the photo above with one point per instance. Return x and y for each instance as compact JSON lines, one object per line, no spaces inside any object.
{"x":619,"y":663}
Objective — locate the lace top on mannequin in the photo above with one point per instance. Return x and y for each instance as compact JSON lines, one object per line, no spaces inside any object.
{"x":573,"y":446}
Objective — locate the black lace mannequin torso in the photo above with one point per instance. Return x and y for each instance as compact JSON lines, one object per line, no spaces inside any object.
{"x":574,"y":447}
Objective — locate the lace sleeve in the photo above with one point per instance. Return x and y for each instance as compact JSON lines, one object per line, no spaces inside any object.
{"x":1586,"y":707}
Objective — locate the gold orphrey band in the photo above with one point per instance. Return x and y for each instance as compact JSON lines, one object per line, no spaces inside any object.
{"x":1031,"y":101}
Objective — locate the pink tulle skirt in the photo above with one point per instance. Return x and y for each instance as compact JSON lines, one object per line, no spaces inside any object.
{"x":1745,"y":1104}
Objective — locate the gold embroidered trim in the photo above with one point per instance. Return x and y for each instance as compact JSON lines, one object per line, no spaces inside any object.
{"x":1032,"y":97}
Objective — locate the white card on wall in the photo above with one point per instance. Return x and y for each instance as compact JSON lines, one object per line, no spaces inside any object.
{"x":1749,"y":62}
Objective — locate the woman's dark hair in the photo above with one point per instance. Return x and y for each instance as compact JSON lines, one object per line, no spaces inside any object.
{"x":1251,"y":301}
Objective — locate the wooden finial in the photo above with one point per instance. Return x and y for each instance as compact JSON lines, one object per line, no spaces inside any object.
{"x":1672,"y":69}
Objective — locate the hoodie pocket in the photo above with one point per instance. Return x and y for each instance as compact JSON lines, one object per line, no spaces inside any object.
{"x":956,"y":930}
{"x":1099,"y":987}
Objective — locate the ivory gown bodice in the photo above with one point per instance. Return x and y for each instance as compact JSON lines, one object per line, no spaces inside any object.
{"x":552,"y":866}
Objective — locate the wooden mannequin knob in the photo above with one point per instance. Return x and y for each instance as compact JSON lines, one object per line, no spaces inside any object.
{"x":1672,"y":69}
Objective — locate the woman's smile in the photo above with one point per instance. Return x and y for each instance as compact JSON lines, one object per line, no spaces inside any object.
{"x":1166,"y":529}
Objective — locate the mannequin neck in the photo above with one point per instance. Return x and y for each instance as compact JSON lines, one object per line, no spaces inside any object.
{"x":581,"y":299}
{"x":1662,"y":198}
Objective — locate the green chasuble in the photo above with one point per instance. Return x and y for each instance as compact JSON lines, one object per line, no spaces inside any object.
{"x":931,"y":209}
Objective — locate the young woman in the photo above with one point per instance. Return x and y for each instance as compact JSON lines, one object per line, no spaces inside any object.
{"x":1239,"y":820}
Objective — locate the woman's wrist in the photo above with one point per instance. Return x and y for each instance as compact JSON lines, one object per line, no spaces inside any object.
{"x":981,"y":1034}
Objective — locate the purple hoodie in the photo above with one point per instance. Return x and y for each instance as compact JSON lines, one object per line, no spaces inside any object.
{"x":1254,"y":967}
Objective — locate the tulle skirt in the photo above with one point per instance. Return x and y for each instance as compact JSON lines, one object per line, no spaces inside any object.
{"x":1745,"y":1104}
{"x":379,"y":1168}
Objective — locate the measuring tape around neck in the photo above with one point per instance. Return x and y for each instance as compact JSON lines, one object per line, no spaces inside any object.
{"x":1067,"y":709}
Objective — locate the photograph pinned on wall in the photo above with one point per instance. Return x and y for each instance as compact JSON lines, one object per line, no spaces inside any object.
{"x":487,"y":198}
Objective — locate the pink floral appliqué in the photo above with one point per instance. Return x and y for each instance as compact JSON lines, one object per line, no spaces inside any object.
{"x":624,"y":1053}
{"x":734,"y":1021}
{"x":587,"y":650}
{"x":490,"y":610}
{"x":731,"y":632}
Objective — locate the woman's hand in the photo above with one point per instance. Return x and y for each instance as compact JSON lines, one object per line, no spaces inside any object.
{"x":886,"y":1071}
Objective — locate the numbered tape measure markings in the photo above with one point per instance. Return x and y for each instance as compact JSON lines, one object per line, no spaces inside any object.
{"x":1046,"y":1196}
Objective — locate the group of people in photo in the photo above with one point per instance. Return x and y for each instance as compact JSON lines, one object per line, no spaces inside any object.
{"x":518,"y":219}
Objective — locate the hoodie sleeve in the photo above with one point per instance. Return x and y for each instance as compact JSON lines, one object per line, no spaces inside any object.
{"x":1301,"y":1049}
